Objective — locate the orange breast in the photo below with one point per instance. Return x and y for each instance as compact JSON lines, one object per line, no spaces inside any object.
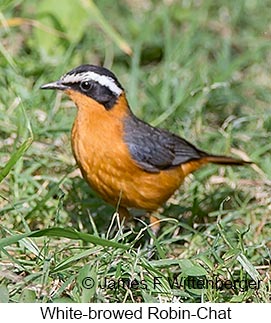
{"x":105,"y":162}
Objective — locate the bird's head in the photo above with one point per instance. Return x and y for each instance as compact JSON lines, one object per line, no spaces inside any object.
{"x":95,"y":82}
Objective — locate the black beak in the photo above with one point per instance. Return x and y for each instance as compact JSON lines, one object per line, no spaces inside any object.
{"x":54,"y":86}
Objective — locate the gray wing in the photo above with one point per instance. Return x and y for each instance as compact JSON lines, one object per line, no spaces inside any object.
{"x":155,"y":149}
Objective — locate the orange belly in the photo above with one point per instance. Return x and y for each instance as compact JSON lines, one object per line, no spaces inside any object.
{"x":106,"y":164}
{"x":138,"y":189}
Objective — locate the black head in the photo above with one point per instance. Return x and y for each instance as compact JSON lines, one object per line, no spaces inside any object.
{"x":96,"y":82}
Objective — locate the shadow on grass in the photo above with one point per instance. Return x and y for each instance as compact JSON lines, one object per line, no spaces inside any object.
{"x":198,"y":210}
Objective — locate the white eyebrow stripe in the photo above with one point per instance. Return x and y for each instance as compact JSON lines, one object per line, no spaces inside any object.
{"x":103,"y":80}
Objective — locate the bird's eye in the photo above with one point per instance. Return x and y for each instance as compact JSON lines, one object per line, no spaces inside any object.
{"x":85,"y":86}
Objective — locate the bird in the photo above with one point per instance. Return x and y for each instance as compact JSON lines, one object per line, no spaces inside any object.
{"x":128,"y":162}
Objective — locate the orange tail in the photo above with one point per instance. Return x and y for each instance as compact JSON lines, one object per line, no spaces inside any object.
{"x":214,"y":159}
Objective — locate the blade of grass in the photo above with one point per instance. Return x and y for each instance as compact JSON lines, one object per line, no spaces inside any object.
{"x":19,"y":21}
{"x":69,"y":233}
{"x":107,"y":28}
{"x":68,"y":261}
{"x":249,"y":268}
{"x":8,"y":57}
{"x":15,"y":157}
{"x":20,"y":151}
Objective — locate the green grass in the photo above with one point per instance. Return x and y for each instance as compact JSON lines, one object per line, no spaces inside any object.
{"x":201,"y":69}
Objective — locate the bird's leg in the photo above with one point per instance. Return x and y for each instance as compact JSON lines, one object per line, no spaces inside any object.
{"x":155,"y":227}
{"x":154,"y":222}
{"x":124,"y":215}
